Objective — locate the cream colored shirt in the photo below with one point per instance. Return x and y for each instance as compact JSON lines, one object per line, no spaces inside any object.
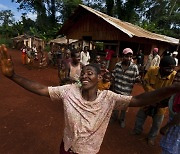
{"x":85,"y":57}
{"x":152,"y":61}
{"x":86,"y":121}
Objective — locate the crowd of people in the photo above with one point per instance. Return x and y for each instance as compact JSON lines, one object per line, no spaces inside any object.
{"x":93,"y":95}
{"x":32,"y":55}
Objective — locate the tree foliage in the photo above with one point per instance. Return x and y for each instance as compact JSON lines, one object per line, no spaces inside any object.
{"x":159,"y":16}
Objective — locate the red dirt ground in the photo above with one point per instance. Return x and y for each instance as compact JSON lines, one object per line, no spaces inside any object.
{"x":32,"y":124}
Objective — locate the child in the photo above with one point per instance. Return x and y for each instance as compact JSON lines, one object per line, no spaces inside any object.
{"x":103,"y":68}
{"x":24,"y":56}
{"x":98,"y":60}
{"x":61,"y":73}
{"x":104,"y":83}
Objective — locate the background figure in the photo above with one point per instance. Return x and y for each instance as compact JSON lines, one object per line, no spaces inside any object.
{"x":174,"y":55}
{"x":50,"y":58}
{"x":153,"y":59}
{"x":97,"y":60}
{"x":103,"y":68}
{"x":155,"y":78}
{"x":140,"y":58}
{"x":93,"y":53}
{"x":105,"y":82}
{"x":43,"y":62}
{"x":125,"y":76}
{"x":140,"y":63}
{"x":35,"y":52}
{"x":170,"y":141}
{"x":24,"y":54}
{"x":109,"y":54}
{"x":166,"y":53}
{"x":67,"y":58}
{"x":29,"y":55}
{"x":61,"y":72}
{"x":59,"y":55}
{"x":85,"y":57}
{"x":73,"y":69}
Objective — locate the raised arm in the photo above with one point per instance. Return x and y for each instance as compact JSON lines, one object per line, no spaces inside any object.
{"x":155,"y":96}
{"x":8,"y":71}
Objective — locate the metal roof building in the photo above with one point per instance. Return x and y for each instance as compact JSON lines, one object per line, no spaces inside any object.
{"x":89,"y":24}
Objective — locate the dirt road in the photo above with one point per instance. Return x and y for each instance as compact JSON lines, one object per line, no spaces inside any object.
{"x":31,"y":124}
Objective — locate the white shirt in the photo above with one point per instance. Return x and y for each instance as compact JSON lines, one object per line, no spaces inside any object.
{"x":176,"y":61}
{"x":86,"y":121}
{"x":85,"y":57}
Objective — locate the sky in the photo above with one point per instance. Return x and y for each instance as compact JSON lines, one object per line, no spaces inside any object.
{"x":8,"y":5}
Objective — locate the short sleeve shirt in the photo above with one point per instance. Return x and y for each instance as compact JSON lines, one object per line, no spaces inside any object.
{"x":86,"y":121}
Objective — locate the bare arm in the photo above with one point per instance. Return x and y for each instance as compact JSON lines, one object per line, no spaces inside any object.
{"x":155,"y":96}
{"x":31,"y":86}
{"x":8,"y":71}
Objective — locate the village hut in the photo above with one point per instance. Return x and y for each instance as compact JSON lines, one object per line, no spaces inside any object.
{"x":27,"y":40}
{"x":92,"y":25}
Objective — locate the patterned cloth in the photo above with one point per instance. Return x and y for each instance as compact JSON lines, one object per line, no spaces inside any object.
{"x":124,"y":79}
{"x":152,"y":61}
{"x":170,"y":143}
{"x":86,"y":121}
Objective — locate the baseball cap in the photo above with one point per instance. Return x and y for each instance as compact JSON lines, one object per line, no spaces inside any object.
{"x":155,"y":50}
{"x":127,"y":50}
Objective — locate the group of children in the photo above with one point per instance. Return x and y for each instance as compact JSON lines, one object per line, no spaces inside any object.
{"x":29,"y":55}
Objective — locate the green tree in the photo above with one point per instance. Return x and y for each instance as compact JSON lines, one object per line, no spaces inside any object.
{"x":168,"y":13}
{"x":110,"y":6}
{"x":67,"y":7}
{"x":7,"y":17}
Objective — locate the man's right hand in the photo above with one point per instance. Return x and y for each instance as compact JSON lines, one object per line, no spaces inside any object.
{"x":6,"y":62}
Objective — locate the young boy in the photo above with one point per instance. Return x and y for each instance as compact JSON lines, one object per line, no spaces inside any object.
{"x":103,"y":68}
{"x":105,"y":82}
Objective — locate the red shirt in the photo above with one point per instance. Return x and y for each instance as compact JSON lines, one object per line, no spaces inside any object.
{"x":109,"y":54}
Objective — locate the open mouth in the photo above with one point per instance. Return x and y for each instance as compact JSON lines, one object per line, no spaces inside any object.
{"x":85,"y":82}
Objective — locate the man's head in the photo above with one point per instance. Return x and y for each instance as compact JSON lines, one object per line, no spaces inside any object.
{"x":107,"y":77}
{"x":127,"y":55}
{"x":167,"y":65}
{"x":68,"y":54}
{"x":98,"y":59}
{"x":85,"y":48}
{"x":155,"y":51}
{"x":75,"y":57}
{"x":103,"y":64}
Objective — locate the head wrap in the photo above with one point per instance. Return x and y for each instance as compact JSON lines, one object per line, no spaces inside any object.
{"x":155,"y":50}
{"x":127,"y":50}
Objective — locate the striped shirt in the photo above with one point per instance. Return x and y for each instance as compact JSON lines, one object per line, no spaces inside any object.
{"x":125,"y":79}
